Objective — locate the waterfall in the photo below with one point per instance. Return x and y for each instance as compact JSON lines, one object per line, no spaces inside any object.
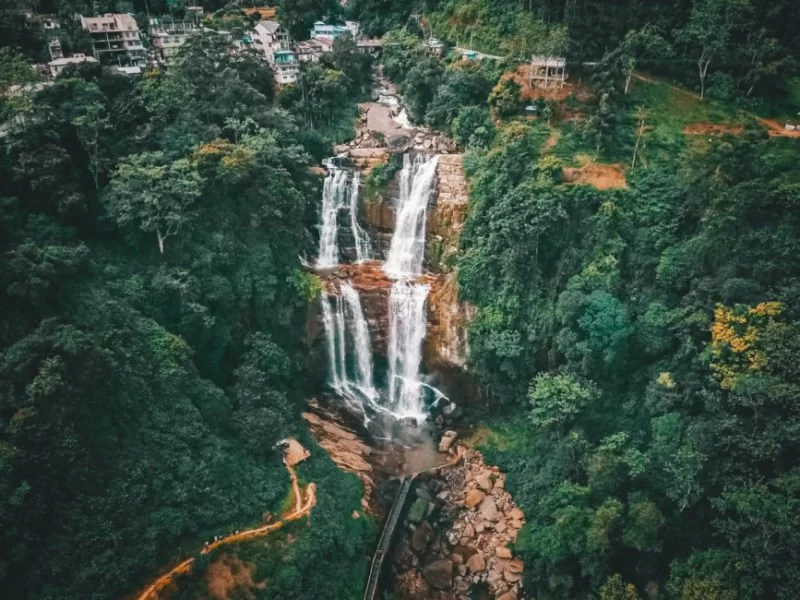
{"x":407,"y":300}
{"x":340,"y":190}
{"x":360,"y":237}
{"x":361,"y":341}
{"x":407,"y":249}
{"x":333,"y":193}
{"x":346,"y":328}
{"x":407,"y":324}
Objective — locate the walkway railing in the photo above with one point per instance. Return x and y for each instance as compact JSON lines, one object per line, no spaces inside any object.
{"x":385,"y":543}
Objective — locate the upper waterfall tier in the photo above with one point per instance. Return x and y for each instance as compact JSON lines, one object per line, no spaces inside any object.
{"x":340,"y":191}
{"x":407,"y":249}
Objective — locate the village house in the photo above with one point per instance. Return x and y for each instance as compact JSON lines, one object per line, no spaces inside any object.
{"x":323,"y":30}
{"x":434,"y":46}
{"x":312,"y":50}
{"x":168,"y":35}
{"x":42,"y":21}
{"x":115,"y":38}
{"x":268,"y":37}
{"x":285,"y":66}
{"x":368,"y":45}
{"x":547,"y":70}
{"x":56,"y":66}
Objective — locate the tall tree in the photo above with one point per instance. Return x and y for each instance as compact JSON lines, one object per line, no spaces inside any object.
{"x":156,"y":195}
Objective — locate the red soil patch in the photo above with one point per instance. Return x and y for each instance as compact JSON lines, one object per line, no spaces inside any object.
{"x":229,"y":577}
{"x":603,"y":177}
{"x":712,"y":129}
{"x":570,"y":88}
{"x":775,"y":129}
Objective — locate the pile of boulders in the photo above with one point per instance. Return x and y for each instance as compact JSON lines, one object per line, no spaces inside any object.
{"x":460,"y":537}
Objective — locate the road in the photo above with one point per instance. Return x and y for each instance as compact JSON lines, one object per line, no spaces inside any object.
{"x":481,"y":55}
{"x":301,"y":509}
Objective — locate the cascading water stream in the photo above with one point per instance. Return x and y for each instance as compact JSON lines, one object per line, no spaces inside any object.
{"x":360,"y":237}
{"x":346,"y":328}
{"x":340,"y":190}
{"x":407,"y":249}
{"x":407,"y":300}
{"x":407,"y":324}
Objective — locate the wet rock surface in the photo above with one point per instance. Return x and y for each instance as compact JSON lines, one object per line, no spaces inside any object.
{"x":462,"y":549}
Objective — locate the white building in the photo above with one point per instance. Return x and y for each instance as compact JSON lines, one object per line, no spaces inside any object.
{"x":115,"y":38}
{"x":285,"y":66}
{"x":322,"y":30}
{"x":59,"y":64}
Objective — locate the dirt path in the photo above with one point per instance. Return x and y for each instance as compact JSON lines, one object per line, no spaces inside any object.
{"x":774,"y":129}
{"x":301,"y":509}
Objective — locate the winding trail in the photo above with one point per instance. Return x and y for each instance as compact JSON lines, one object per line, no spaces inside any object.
{"x":774,"y":129}
{"x":301,"y":509}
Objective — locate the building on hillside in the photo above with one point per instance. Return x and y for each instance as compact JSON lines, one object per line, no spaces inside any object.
{"x":312,"y":50}
{"x":115,"y":38}
{"x":547,"y":70}
{"x":54,"y":47}
{"x":368,"y":45}
{"x":40,"y":21}
{"x":194,"y":13}
{"x":168,"y":35}
{"x":322,"y":30}
{"x":354,"y":27}
{"x":434,"y":46}
{"x":268,"y":37}
{"x":56,"y":66}
{"x":286,"y":67}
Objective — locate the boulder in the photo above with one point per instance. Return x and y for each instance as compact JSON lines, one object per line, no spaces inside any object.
{"x":512,"y":577}
{"x":469,"y":531}
{"x":447,"y":441}
{"x":418,"y":510}
{"x":500,"y":526}
{"x":476,"y":563}
{"x":515,"y":566}
{"x":473,"y":498}
{"x":488,"y":509}
{"x":502,"y":552}
{"x":510,"y":595}
{"x":421,"y":537}
{"x":484,"y":481}
{"x":516,"y":514}
{"x":439,"y":574}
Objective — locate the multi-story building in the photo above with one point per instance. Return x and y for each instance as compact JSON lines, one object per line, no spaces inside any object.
{"x":286,"y":67}
{"x":268,"y":37}
{"x":169,"y":35}
{"x":115,"y":38}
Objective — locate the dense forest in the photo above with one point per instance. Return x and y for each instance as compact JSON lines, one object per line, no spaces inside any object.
{"x":647,"y":332}
{"x":151,"y":301}
{"x":634,"y":347}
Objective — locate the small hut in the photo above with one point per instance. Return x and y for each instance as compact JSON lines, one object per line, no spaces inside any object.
{"x":548,"y":69}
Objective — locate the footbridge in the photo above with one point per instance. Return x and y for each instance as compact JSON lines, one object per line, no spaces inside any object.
{"x":385,"y":542}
